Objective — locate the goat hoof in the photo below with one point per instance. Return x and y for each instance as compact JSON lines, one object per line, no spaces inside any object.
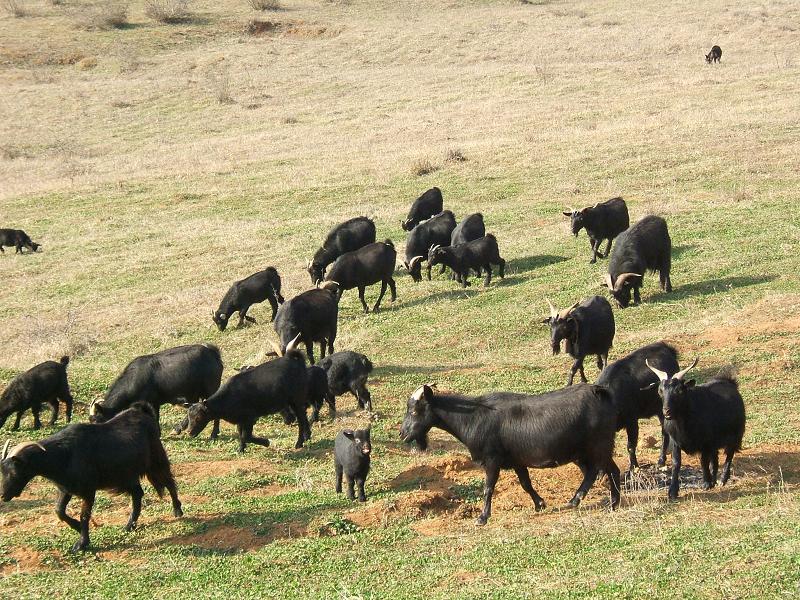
{"x":79,"y":546}
{"x":130,"y":527}
{"x":481,"y":520}
{"x":707,"y":485}
{"x":540,"y":507}
{"x":177,"y":512}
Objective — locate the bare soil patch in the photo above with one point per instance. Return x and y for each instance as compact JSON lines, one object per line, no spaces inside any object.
{"x":26,"y":560}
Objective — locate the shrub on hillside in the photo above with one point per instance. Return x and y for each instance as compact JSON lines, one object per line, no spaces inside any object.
{"x":265,"y":4}
{"x":111,"y":15}
{"x":167,"y":11}
{"x":14,"y":7}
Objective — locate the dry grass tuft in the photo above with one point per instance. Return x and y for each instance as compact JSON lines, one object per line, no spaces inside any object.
{"x":15,"y":8}
{"x":454,"y":155}
{"x":220,"y":85}
{"x":256,"y":27}
{"x":265,"y":4}
{"x":102,"y":16}
{"x":423,"y":166}
{"x":167,"y":11}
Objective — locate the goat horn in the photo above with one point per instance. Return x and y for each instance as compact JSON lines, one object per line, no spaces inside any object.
{"x":291,"y":345}
{"x":621,"y":280}
{"x":680,"y":374}
{"x":662,"y":376}
{"x":563,"y":314}
{"x":608,"y":282}
{"x":20,"y":447}
{"x":414,"y":261}
{"x":275,"y":347}
{"x":328,"y":284}
{"x":309,"y":265}
{"x":434,"y":247}
{"x":553,"y":310}
{"x":5,"y":450}
{"x":318,"y":282}
{"x":92,"y":409}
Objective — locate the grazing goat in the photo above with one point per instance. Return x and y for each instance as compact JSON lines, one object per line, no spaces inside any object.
{"x":644,"y":247}
{"x":183,"y":374}
{"x":701,"y":420}
{"x":363,"y":267}
{"x":313,"y":315}
{"x":351,"y":458}
{"x":17,"y":238}
{"x":85,"y":457}
{"x":264,"y":285}
{"x":435,"y":231}
{"x":345,"y":237}
{"x":427,"y":205}
{"x":629,"y":380}
{"x":715,"y":55}
{"x":478,"y":255}
{"x":277,"y":386}
{"x":587,"y":327}
{"x":348,"y":372}
{"x":470,"y":228}
{"x":603,"y":221}
{"x":503,"y":430}
{"x":46,"y":382}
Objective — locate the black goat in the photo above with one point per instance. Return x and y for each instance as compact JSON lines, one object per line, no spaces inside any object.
{"x":345,"y":237}
{"x":364,"y":267}
{"x":477,"y":255}
{"x":313,"y":315}
{"x":85,"y":457}
{"x":516,"y":431}
{"x":644,"y":247}
{"x":427,"y":205}
{"x":433,"y":232}
{"x":715,"y":55}
{"x":317,"y":394}
{"x":351,"y":458}
{"x":587,"y":327}
{"x":46,"y":382}
{"x":630,"y":382}
{"x":17,"y":238}
{"x":264,"y":285}
{"x":470,"y":228}
{"x":701,"y":419}
{"x":181,"y":374}
{"x":276,"y":386}
{"x":348,"y":372}
{"x":603,"y":221}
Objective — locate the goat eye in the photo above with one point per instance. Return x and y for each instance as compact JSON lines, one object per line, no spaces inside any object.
{"x":358,"y":441}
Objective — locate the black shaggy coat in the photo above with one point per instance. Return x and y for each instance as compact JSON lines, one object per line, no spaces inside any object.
{"x":184,"y":374}
{"x":435,"y":231}
{"x":264,"y":285}
{"x":46,"y":382}
{"x":504,"y":430}
{"x":630,"y":382}
{"x":644,"y":247}
{"x":276,"y":386}
{"x":345,"y":237}
{"x":314,"y":315}
{"x":85,"y":457}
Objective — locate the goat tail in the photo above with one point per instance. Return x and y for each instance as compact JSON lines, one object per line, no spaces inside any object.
{"x":64,"y":360}
{"x":277,"y":293}
{"x":160,"y":473}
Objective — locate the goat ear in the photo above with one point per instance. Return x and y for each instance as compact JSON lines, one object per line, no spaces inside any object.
{"x":649,"y":387}
{"x":348,"y":433}
{"x":690,"y":383}
{"x":567,"y":214}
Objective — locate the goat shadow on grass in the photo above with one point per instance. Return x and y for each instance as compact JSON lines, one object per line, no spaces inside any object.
{"x":677,"y":251}
{"x":711,"y":286}
{"x":392,"y":370}
{"x":455,"y":293}
{"x":529,"y":263}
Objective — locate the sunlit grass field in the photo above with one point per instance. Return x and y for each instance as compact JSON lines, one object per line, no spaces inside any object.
{"x":159,"y":163}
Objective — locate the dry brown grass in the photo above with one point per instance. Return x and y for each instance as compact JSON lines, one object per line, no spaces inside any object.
{"x":16,"y":8}
{"x":423,"y":166}
{"x":101,"y":16}
{"x":167,"y":11}
{"x":265,"y":4}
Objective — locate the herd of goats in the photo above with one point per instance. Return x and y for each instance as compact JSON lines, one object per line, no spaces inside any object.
{"x":578,"y":423}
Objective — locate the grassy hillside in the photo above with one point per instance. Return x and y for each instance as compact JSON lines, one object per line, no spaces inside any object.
{"x":157,"y":163}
